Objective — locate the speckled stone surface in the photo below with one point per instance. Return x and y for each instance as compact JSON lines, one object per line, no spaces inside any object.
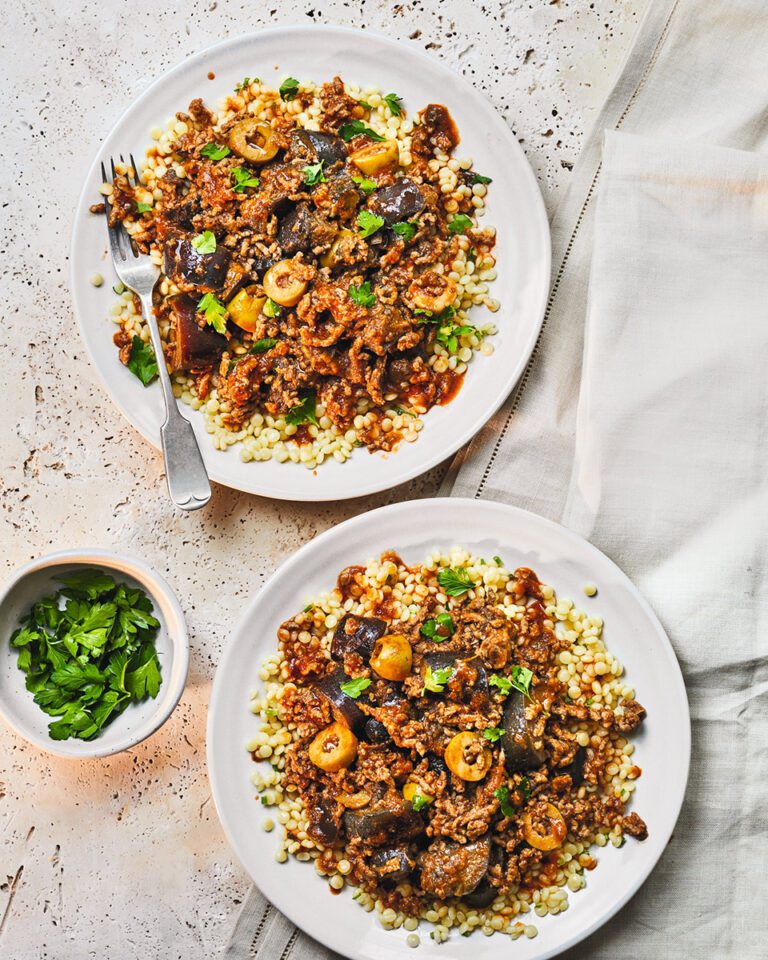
{"x":124,"y":857}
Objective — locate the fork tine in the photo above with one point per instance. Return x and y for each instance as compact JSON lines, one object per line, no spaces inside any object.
{"x":136,"y":176}
{"x":117,"y":244}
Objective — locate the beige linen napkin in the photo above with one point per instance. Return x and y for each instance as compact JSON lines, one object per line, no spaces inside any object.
{"x":696,"y":72}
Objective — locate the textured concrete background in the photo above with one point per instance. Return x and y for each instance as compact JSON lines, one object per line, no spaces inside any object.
{"x":124,"y":857}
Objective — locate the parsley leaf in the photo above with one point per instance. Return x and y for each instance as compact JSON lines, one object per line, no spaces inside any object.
{"x":524,"y":789}
{"x":498,"y":561}
{"x":369,"y":223}
{"x":353,"y":688}
{"x":502,"y":795}
{"x":420,"y":801}
{"x":478,"y":178}
{"x":493,"y":733}
{"x":454,"y":582}
{"x":314,"y":174}
{"x":242,"y":179}
{"x":143,"y":207}
{"x":215,"y":151}
{"x":141,"y":361}
{"x":459,"y":224}
{"x":288,"y":88}
{"x":205,"y":242}
{"x":520,"y":681}
{"x":356,"y":128}
{"x":305,"y":411}
{"x":214,"y":311}
{"x":245,"y":83}
{"x":435,"y":680}
{"x":261,"y":346}
{"x":271,"y":309}
{"x":393,"y":102}
{"x":366,"y":184}
{"x":362,"y":295}
{"x":439,"y":628}
{"x":406,"y":229}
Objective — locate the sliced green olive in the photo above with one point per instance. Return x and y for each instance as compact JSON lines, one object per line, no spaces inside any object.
{"x":253,"y":140}
{"x":467,"y":756}
{"x":392,"y":657}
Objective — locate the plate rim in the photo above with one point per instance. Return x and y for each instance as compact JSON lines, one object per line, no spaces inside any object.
{"x":295,"y":560}
{"x":463,"y":436}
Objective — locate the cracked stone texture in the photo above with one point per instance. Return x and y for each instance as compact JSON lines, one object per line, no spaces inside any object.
{"x":87,"y":847}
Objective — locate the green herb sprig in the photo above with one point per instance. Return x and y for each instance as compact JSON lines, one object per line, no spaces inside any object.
{"x":454,"y":582}
{"x":142,"y":362}
{"x":354,"y":688}
{"x":438,"y":628}
{"x":435,"y":680}
{"x":356,"y":128}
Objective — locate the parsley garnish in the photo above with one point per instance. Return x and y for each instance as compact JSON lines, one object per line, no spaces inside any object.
{"x":205,"y":242}
{"x":366,"y":184}
{"x":242,"y":179}
{"x":460,"y":223}
{"x":356,"y":128}
{"x":245,"y":82}
{"x":524,"y":788}
{"x":215,"y":151}
{"x":214,"y":311}
{"x":88,"y":651}
{"x":435,"y":680}
{"x":141,"y":361}
{"x":478,"y":178}
{"x":493,"y":733}
{"x":271,"y":309}
{"x":419,"y":802}
{"x":362,"y":295}
{"x":520,"y":680}
{"x":454,"y":582}
{"x":406,"y":229}
{"x":442,"y":622}
{"x":261,"y":346}
{"x":353,"y":688}
{"x":143,"y":207}
{"x":314,"y":174}
{"x":288,"y":88}
{"x":498,"y":561}
{"x":502,"y":795}
{"x":393,"y":102}
{"x":305,"y":411}
{"x":369,"y":223}
{"x":448,"y":331}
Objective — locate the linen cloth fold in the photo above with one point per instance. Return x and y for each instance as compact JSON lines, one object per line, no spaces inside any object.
{"x":666,"y":471}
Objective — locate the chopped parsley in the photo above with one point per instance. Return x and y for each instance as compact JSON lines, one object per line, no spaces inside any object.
{"x":242,"y":179}
{"x":362,"y":295}
{"x":88,"y":651}
{"x":305,"y":411}
{"x":393,"y":102}
{"x":435,"y":680}
{"x":143,"y":207}
{"x":502,"y":795}
{"x":288,"y":88}
{"x":369,"y":223}
{"x":215,"y":151}
{"x":366,"y":184}
{"x":406,"y":229}
{"x":420,"y":801}
{"x":460,"y":223}
{"x":493,"y":733}
{"x":356,"y":128}
{"x":524,"y":789}
{"x":314,"y":174}
{"x":261,"y":346}
{"x":214,"y":311}
{"x":141,"y":361}
{"x":448,"y":331}
{"x":271,"y":309}
{"x":353,"y":688}
{"x":478,"y":178}
{"x":439,"y":628}
{"x":205,"y":242}
{"x":454,"y":582}
{"x":498,"y":561}
{"x":520,"y":680}
{"x":245,"y":83}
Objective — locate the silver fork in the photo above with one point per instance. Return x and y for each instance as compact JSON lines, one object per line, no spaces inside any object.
{"x":185,"y":471}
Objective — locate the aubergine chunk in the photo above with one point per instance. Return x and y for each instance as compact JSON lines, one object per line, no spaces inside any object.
{"x":195,"y":272}
{"x":324,"y":821}
{"x":193,"y":346}
{"x":356,"y":635}
{"x":387,"y":821}
{"x":450,"y":869}
{"x":483,"y":895}
{"x":520,"y":752}
{"x":375,"y":731}
{"x":339,"y":197}
{"x":575,"y":769}
{"x":343,"y":707}
{"x":393,"y":864}
{"x":327,"y":147}
{"x":302,"y":230}
{"x":469,"y":682}
{"x":401,"y":200}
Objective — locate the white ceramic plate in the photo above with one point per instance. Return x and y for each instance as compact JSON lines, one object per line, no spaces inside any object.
{"x":515,"y":207}
{"x":140,"y":720}
{"x":561,"y":559}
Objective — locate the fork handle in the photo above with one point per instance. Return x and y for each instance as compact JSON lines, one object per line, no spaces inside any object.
{"x":185,"y":472}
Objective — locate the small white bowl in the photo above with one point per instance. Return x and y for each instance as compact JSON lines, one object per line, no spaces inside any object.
{"x":140,"y":720}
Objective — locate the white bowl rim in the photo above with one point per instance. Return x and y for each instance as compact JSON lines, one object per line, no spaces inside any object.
{"x":156,"y":586}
